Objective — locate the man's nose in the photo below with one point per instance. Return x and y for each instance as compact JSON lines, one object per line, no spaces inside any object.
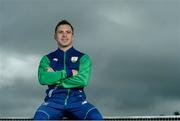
{"x":64,"y":34}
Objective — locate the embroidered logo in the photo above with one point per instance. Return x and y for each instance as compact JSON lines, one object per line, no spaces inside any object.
{"x":74,"y":59}
{"x":84,"y":102}
{"x":55,"y":59}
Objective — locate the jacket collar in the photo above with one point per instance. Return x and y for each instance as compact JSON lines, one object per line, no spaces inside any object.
{"x":69,"y":50}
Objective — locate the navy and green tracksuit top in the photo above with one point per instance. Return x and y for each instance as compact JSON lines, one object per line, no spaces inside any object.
{"x":62,"y":64}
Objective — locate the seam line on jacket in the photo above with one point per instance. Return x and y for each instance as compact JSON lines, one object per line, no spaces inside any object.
{"x":88,"y":112}
{"x":44,"y":113}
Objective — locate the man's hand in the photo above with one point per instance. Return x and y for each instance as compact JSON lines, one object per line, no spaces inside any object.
{"x":75,"y":72}
{"x":49,"y":69}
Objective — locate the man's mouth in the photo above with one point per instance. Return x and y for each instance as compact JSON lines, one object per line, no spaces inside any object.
{"x":64,"y":40}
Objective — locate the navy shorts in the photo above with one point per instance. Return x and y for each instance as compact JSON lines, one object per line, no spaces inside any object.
{"x":70,"y":103}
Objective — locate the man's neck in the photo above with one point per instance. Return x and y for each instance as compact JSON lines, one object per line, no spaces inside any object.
{"x":65,"y":48}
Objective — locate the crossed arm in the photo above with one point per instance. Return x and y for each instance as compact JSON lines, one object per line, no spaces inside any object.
{"x":49,"y":69}
{"x":47,"y":76}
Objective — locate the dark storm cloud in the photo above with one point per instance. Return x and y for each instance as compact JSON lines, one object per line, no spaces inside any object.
{"x":134,"y":46}
{"x":32,"y":24}
{"x":20,"y":99}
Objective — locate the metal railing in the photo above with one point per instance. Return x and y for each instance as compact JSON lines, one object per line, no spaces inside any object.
{"x":120,"y":118}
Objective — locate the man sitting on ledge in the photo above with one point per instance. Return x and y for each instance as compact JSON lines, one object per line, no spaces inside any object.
{"x":66,"y":71}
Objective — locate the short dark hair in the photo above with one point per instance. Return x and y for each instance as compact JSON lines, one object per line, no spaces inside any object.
{"x":62,"y":23}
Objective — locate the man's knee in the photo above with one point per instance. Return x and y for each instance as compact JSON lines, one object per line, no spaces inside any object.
{"x":94,"y":114}
{"x":41,"y":115}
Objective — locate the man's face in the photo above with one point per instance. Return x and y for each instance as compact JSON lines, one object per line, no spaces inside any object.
{"x":64,"y":36}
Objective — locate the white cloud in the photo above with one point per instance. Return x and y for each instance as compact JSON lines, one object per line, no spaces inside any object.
{"x":17,"y":66}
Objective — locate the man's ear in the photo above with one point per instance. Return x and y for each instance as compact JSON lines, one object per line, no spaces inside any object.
{"x":73,"y":37}
{"x":55,"y":36}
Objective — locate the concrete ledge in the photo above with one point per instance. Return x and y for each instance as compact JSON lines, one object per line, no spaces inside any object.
{"x":120,"y":118}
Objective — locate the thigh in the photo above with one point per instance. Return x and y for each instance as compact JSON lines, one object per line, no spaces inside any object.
{"x":86,"y":112}
{"x":45,"y":112}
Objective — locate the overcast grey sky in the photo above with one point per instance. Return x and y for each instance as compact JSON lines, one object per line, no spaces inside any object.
{"x":134,"y":46}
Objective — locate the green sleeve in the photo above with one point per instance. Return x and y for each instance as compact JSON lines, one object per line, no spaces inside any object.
{"x":83,"y":76}
{"x":49,"y":78}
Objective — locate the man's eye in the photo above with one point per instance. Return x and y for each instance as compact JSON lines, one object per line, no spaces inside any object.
{"x":68,"y":32}
{"x":60,"y":32}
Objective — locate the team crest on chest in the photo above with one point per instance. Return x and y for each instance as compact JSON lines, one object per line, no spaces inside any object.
{"x":74,"y":59}
{"x":55,"y":59}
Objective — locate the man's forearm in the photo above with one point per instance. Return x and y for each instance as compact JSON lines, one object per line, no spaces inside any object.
{"x":50,"y":77}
